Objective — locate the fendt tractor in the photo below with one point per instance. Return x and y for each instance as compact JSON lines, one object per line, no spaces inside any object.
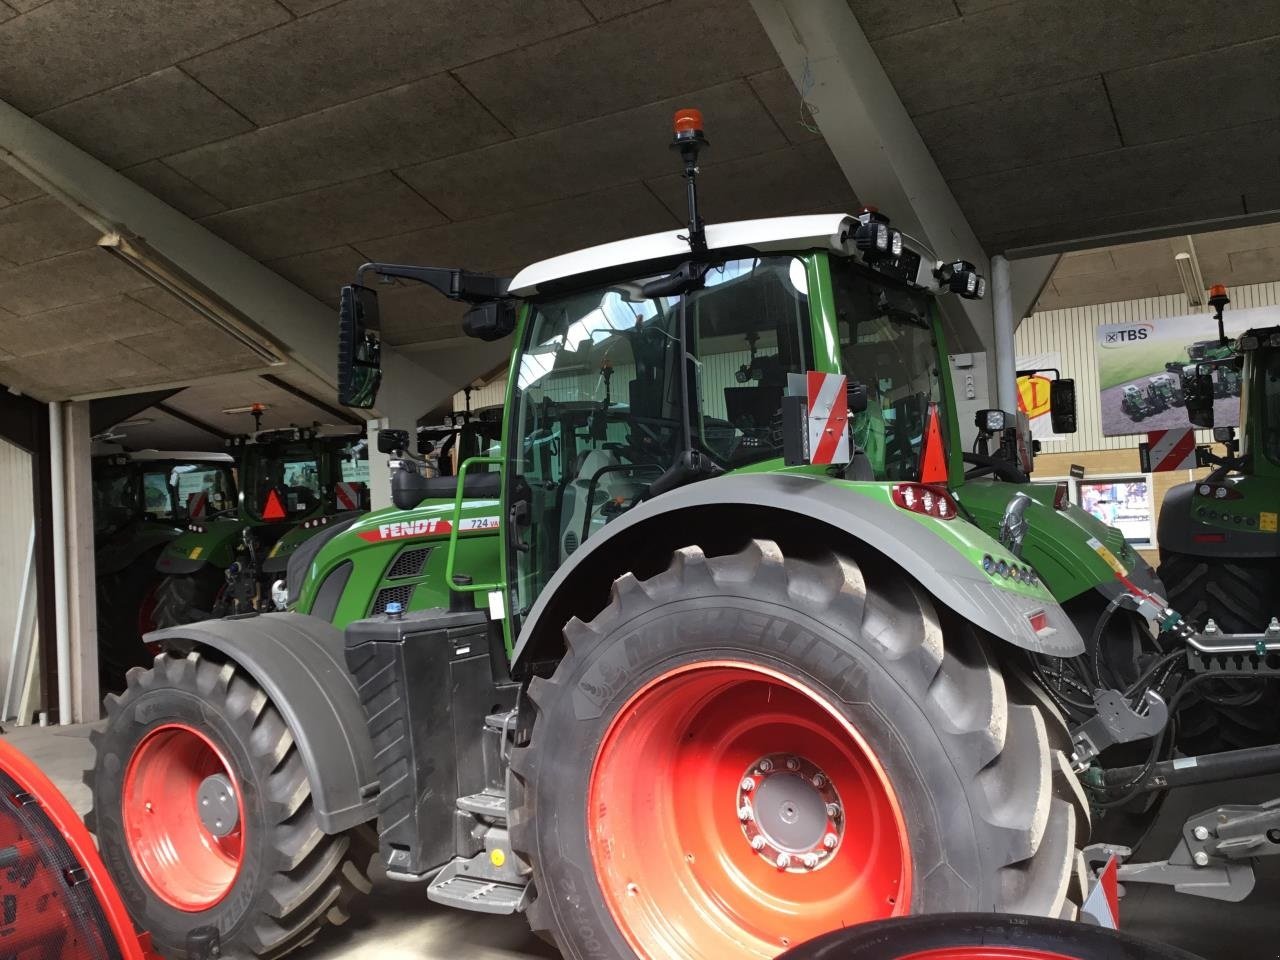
{"x":294,"y":483}
{"x":731,"y":646}
{"x":142,"y":501}
{"x":1219,"y":539}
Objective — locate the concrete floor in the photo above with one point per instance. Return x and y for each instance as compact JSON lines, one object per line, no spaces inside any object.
{"x":399,"y":923}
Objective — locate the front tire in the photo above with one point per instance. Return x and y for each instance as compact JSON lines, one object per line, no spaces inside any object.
{"x":830,"y":688}
{"x":266,"y":877}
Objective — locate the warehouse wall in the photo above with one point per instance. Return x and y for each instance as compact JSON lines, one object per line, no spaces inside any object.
{"x":17,"y":509}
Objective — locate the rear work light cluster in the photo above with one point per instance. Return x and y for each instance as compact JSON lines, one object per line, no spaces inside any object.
{"x":1219,"y":491}
{"x":312,"y":524}
{"x":874,"y":238}
{"x":1009,"y":571}
{"x":922,"y":498}
{"x":195,"y":527}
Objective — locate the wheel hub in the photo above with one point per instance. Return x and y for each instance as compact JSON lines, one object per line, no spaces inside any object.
{"x":217,"y":805}
{"x":790,"y":812}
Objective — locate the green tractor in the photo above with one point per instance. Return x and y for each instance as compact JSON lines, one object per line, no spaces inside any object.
{"x":141,"y":502}
{"x":1165,"y":391}
{"x":1136,"y":403}
{"x":1219,"y":545}
{"x":688,"y":672}
{"x":294,"y":483}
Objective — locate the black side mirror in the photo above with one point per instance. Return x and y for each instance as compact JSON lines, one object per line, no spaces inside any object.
{"x":392,"y":441}
{"x":359,"y":347}
{"x":1062,"y":405}
{"x":1224,"y":434}
{"x":1197,"y":393}
{"x":856,"y":397}
{"x":491,"y":320}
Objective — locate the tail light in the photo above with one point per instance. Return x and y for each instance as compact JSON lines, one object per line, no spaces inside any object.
{"x":921,"y":498}
{"x":1061,"y":496}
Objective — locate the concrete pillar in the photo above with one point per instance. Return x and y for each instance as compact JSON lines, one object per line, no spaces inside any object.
{"x":82,"y":595}
{"x":1006,"y":350}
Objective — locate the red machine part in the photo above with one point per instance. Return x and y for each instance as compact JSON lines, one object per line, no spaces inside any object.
{"x":56,"y":899}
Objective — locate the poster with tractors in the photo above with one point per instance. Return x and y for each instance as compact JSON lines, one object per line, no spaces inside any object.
{"x":1138,"y":365}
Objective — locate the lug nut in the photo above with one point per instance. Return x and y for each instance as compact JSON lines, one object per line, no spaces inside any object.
{"x":783,"y":861}
{"x":793,"y":764}
{"x":757,"y":844}
{"x":810,"y":861}
{"x":833,"y":811}
{"x":766,"y":765}
{"x":819,"y":781}
{"x":747,"y":785}
{"x":1201,"y":833}
{"x":745,"y":814}
{"x":830,"y":841}
{"x":1201,"y":858}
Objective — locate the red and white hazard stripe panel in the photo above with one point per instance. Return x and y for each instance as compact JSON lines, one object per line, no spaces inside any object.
{"x":349,"y":495}
{"x":197,"y":505}
{"x":1172,"y":449}
{"x":828,"y":417}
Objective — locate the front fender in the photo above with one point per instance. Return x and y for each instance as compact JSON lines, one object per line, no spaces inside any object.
{"x":190,"y":551}
{"x":299,"y":662}
{"x":944,"y":556}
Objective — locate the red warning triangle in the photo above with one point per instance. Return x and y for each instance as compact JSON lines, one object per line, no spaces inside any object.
{"x":273,"y":509}
{"x":933,"y":456}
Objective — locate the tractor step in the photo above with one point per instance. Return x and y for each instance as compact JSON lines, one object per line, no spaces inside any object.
{"x":490,"y":882}
{"x":491,"y":804}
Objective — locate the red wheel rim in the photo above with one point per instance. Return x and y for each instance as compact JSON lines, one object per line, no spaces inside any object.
{"x":189,"y":860}
{"x":985,"y":953}
{"x":684,"y":870}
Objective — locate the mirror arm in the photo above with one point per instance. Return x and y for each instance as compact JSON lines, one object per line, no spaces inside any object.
{"x":455,"y":284}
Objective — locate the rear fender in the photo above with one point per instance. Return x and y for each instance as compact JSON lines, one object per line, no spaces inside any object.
{"x":299,"y":662}
{"x":944,"y":556}
{"x":192,"y":551}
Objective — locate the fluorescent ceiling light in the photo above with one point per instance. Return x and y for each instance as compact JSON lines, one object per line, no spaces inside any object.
{"x":169,"y":276}
{"x":1189,"y":273}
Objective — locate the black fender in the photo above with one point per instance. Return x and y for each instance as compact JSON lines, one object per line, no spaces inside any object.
{"x":1177,"y":527}
{"x":762,"y":505}
{"x":299,"y":663}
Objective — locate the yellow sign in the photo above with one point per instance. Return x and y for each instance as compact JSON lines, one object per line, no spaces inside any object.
{"x":195,"y":553}
{"x":1033,"y":396}
{"x":1107,"y":556}
{"x":1267,"y":522}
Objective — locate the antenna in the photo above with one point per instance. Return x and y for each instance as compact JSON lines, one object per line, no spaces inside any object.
{"x":688,"y":140}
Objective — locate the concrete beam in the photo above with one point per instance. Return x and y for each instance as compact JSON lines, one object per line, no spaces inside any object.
{"x":875,"y":141}
{"x":1027,"y":280}
{"x":282,"y":313}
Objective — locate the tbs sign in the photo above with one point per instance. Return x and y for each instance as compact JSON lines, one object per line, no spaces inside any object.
{"x":1112,"y":335}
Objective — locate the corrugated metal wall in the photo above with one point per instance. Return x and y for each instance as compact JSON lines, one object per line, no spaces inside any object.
{"x":1072,"y":333}
{"x":16,"y":512}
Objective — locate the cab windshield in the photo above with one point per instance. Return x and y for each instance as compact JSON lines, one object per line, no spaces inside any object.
{"x":292,"y":470}
{"x":887,"y":344}
{"x":599,"y":395}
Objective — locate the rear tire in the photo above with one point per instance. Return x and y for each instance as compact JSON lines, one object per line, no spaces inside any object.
{"x":283,"y":881}
{"x":1241,"y":595}
{"x":963,"y":802}
{"x":187,"y":599}
{"x":120,"y":598}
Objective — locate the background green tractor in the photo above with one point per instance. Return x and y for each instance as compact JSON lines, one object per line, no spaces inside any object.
{"x":690,"y":673}
{"x":1135,"y":403}
{"x":1219,"y":545}
{"x":294,"y":483}
{"x":141,"y":502}
{"x":1166,"y":390}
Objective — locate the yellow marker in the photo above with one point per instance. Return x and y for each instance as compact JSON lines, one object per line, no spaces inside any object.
{"x":497,"y":857}
{"x":1109,"y":558}
{"x":275,"y":549}
{"x":1267,"y":522}
{"x":195,"y":553}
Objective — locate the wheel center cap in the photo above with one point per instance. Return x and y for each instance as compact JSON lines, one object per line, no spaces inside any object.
{"x":216,"y":802}
{"x":790,"y":812}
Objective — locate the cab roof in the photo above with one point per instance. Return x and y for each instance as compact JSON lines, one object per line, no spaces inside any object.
{"x":826,"y":231}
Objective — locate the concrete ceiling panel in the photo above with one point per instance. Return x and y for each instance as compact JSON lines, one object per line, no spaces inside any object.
{"x":620,"y":64}
{"x":505,"y":242}
{"x":375,"y":206}
{"x":321,"y":272}
{"x":158,"y":114}
{"x":185,"y":353}
{"x":1254,"y":266}
{"x":884,"y":18}
{"x":418,"y":121}
{"x":412,"y":313}
{"x":88,"y":368}
{"x":41,"y":228}
{"x":608,"y":9}
{"x":968,"y":7}
{"x":81,"y":324}
{"x":1212,"y":90}
{"x":165,"y":183}
{"x":14,"y":187}
{"x":1037,"y":43}
{"x":7,"y":12}
{"x":363,"y":46}
{"x":303,"y":7}
{"x":779,"y":95}
{"x":1085,"y":263}
{"x":1123,"y":182}
{"x":1034,"y":126}
{"x":61,"y":281}
{"x":167,"y":305}
{"x":90,"y":45}
{"x":623,"y":147}
{"x":23,"y":6}
{"x":793,"y":180}
{"x":1093,"y":222}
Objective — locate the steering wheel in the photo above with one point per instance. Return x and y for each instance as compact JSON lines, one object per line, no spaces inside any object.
{"x":1001,"y":469}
